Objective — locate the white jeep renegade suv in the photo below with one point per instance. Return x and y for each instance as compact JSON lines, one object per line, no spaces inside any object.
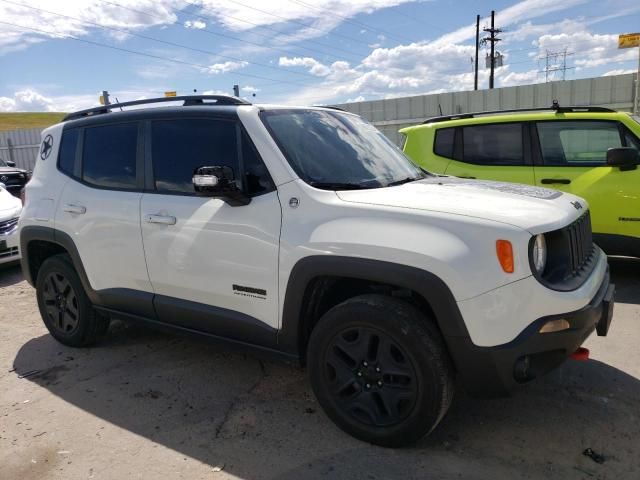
{"x":304,"y":232}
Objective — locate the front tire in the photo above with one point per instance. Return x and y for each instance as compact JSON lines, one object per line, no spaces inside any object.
{"x":380,"y":370}
{"x":64,"y":306}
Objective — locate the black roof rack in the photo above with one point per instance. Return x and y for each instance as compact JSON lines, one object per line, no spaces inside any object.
{"x":555,"y":107}
{"x":189,"y":100}
{"x":331,"y":107}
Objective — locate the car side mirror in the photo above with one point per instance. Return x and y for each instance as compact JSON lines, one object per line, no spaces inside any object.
{"x":626,"y":158}
{"x":219,"y":182}
{"x":10,"y":163}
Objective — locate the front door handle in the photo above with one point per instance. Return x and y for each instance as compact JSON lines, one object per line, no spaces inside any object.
{"x":463,"y":176}
{"x":548,"y":181}
{"x":161,"y":219}
{"x":77,"y":209}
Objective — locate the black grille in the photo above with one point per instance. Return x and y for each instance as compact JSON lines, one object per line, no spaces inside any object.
{"x":571,"y":255}
{"x":580,"y":243}
{"x":8,"y":226}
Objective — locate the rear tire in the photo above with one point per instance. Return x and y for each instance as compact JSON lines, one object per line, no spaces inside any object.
{"x":64,"y":306}
{"x":380,"y":370}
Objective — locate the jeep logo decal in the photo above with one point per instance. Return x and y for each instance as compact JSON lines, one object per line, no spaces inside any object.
{"x":47,"y":146}
{"x":577,"y":205}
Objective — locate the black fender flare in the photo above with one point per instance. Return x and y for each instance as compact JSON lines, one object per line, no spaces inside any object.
{"x":474,"y":365}
{"x":51,"y":235}
{"x":429,"y":286}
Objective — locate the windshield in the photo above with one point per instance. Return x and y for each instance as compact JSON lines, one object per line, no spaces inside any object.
{"x":3,"y":163}
{"x":338,"y":151}
{"x":636,"y":118}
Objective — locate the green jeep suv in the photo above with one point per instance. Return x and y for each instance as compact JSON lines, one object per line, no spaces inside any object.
{"x":592,"y":152}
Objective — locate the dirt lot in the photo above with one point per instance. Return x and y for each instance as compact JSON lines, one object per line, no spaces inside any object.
{"x":146,"y":405}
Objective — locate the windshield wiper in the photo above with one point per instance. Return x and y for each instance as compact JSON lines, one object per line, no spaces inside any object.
{"x":339,"y":185}
{"x":404,"y":180}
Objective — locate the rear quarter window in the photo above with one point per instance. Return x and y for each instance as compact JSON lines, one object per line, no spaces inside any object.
{"x":444,"y":142}
{"x":68,"y":148}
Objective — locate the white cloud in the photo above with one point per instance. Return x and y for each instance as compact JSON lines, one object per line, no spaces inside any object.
{"x":250,"y":89}
{"x":26,"y":101}
{"x":619,"y":71}
{"x":245,"y":15}
{"x":591,"y":50}
{"x":225,"y":67}
{"x":72,"y":18}
{"x":195,"y":24}
{"x":314,"y":66}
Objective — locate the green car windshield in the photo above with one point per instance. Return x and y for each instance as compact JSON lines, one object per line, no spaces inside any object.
{"x":333,"y":150}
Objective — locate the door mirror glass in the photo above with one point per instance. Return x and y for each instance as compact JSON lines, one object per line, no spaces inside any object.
{"x":626,"y":158}
{"x":219,"y":182}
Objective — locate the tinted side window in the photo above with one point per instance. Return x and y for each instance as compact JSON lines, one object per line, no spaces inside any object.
{"x":444,"y":143}
{"x":497,"y":144}
{"x":181,"y":146}
{"x":257,"y":177}
{"x":579,"y":142}
{"x":67,"y":155}
{"x":109,"y":155}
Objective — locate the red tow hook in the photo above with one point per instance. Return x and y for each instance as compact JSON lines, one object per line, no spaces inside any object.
{"x":581,"y":354}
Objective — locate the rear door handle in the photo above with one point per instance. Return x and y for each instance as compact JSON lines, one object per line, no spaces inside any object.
{"x":549,"y":181}
{"x":77,"y":209}
{"x":462,"y":176}
{"x":161,"y":219}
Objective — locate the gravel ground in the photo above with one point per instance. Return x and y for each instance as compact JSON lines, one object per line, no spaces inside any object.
{"x":148,"y":405}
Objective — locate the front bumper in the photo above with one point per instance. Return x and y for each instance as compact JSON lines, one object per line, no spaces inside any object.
{"x":9,"y":250}
{"x":494,"y":371}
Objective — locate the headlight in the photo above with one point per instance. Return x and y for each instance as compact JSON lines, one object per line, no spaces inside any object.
{"x":539,"y":254}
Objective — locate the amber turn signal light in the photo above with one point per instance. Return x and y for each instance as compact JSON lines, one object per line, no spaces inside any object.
{"x":504,"y":251}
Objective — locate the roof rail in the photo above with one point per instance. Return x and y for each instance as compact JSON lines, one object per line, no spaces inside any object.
{"x":189,"y":100}
{"x":555,"y":107}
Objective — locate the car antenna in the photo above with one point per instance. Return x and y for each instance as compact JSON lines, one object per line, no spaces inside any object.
{"x":118,"y":101}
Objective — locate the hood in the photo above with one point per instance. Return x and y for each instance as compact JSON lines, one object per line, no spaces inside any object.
{"x":10,"y":206}
{"x":531,"y":208}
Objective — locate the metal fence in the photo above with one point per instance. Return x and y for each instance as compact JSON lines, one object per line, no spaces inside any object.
{"x":20,"y":146}
{"x":616,"y":91}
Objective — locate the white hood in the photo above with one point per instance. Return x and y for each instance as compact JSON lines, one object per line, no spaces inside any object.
{"x":534,"y":209}
{"x":10,"y":206}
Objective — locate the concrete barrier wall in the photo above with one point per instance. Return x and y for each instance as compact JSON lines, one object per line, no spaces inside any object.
{"x":616,"y":91}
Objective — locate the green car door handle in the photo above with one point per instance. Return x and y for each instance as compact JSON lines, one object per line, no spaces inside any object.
{"x":548,"y":181}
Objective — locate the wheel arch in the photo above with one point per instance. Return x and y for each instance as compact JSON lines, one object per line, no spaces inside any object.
{"x":315,"y":277}
{"x":38,"y":243}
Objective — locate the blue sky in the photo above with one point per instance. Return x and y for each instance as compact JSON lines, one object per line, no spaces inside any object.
{"x":57,"y":55}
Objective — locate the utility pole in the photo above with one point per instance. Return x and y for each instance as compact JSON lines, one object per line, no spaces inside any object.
{"x":236,"y":90}
{"x":475,"y":79}
{"x":492,"y":39}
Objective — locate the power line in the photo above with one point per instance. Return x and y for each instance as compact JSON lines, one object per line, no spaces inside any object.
{"x":218,"y":34}
{"x":144,"y":54}
{"x":165,"y":42}
{"x":291,"y":20}
{"x":257,"y":25}
{"x":352,"y":21}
